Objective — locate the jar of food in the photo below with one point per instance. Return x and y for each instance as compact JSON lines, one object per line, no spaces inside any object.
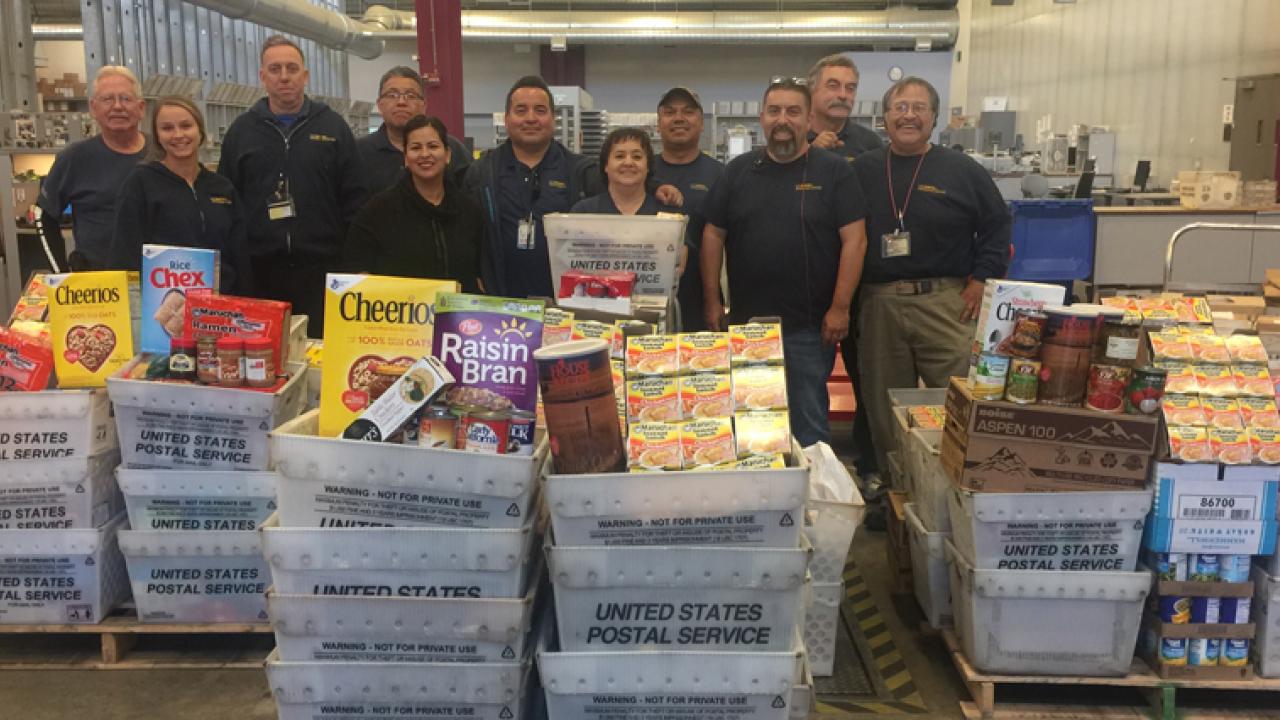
{"x":207,"y":359}
{"x":259,"y":362}
{"x":230,"y":361}
{"x":1117,"y":341}
{"x":182,"y":358}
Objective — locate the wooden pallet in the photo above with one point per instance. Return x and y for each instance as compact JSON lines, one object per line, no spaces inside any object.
{"x":1160,"y":693}
{"x":123,"y":643}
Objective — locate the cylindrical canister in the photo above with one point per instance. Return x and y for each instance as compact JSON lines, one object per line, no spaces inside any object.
{"x":1235,"y":653}
{"x":581,"y":409}
{"x":1234,"y":568}
{"x":1171,"y":566}
{"x":1203,"y":652}
{"x":1107,"y":384}
{"x":1204,"y":568}
{"x":1173,"y":651}
{"x":1145,"y":391}
{"x":989,"y":376}
{"x":523,"y":424}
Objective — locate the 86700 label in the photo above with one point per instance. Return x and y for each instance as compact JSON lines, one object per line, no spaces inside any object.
{"x":1217,"y":507}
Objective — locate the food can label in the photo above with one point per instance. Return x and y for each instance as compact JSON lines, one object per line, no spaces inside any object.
{"x":1106,"y":388}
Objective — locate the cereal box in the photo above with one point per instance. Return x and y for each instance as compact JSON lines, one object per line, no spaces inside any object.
{"x":1230,"y":445}
{"x":487,"y":344}
{"x":759,"y":388}
{"x":756,"y":344}
{"x":25,"y":363}
{"x":1246,"y":349}
{"x":704,"y":352}
{"x":1221,"y":412}
{"x":651,"y":355}
{"x":706,"y":395}
{"x":167,"y":274}
{"x":1253,"y":380}
{"x":1189,"y":444}
{"x":369,"y":321}
{"x":761,"y":462}
{"x":654,"y":446}
{"x":762,"y":433}
{"x":557,"y":326}
{"x":708,"y":441}
{"x":1259,"y":412}
{"x":1002,"y":300}
{"x":1264,"y":443}
{"x":1181,"y":409}
{"x":209,"y":313}
{"x":655,"y":399}
{"x":91,"y":326}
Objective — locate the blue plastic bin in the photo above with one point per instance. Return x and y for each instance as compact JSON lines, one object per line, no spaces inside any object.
{"x":1052,"y":240}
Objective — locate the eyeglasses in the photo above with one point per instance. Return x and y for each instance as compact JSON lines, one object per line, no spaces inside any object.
{"x":125,"y":99}
{"x":919,"y":108}
{"x":397,"y":96}
{"x":780,"y":80}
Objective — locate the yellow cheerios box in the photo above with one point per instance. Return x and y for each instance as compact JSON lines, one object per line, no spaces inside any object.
{"x":371,"y":322}
{"x":91,"y":326}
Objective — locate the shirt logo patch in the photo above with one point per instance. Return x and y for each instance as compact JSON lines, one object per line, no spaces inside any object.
{"x":698,"y":186}
{"x":931,"y":189}
{"x":219,"y":200}
{"x":317,"y":137}
{"x":807,"y":187}
{"x":557,"y":184}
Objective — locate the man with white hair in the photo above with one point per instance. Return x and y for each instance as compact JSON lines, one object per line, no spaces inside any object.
{"x":87,"y":174}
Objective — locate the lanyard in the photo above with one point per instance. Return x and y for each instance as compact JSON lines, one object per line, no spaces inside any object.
{"x":888,"y":167}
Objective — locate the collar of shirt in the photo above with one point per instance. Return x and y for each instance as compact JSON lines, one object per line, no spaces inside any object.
{"x":842,"y":134}
{"x":382,"y":142}
{"x":550,"y":160}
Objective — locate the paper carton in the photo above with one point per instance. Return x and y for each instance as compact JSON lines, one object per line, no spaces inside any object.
{"x":167,"y":274}
{"x":91,"y":327}
{"x":1002,"y":300}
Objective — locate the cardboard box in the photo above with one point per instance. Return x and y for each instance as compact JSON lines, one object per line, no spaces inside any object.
{"x":1241,"y":306}
{"x":1209,"y":190}
{"x":1198,"y":631}
{"x":1213,"y":492}
{"x":1222,"y":537}
{"x":1186,"y":588}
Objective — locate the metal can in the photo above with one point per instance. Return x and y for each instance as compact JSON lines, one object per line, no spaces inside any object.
{"x":1203,"y":652}
{"x":1145,"y":391}
{"x":1107,"y":385}
{"x":1234,"y":653}
{"x":1175,"y":609}
{"x":488,"y":432}
{"x":989,"y":376}
{"x":463,"y":413}
{"x":1171,"y":566}
{"x":1234,"y":568}
{"x":438,"y":428}
{"x":1234,"y":611}
{"x":1173,"y":651}
{"x":1204,"y":568}
{"x":1205,"y":610}
{"x":523,"y":424}
{"x":1023,"y":381}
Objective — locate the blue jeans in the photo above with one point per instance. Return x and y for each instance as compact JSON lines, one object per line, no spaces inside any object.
{"x":809,"y":364}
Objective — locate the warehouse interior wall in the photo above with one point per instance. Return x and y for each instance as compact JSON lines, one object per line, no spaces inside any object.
{"x":55,"y":58}
{"x":1157,"y":72}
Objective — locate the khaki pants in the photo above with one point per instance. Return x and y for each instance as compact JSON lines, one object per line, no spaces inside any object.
{"x":903,"y":339}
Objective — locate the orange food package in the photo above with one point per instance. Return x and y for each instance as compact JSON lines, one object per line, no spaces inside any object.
{"x":208,"y":313}
{"x":655,"y":399}
{"x":1246,"y":349}
{"x":1209,"y":349}
{"x":704,"y":352}
{"x":557,"y":326}
{"x":1253,"y":380}
{"x":1259,"y":412}
{"x":1189,"y":444}
{"x":706,"y":395}
{"x":25,"y":363}
{"x":1180,"y":378}
{"x":1181,"y":409}
{"x":763,"y":433}
{"x":707,"y":442}
{"x":1264,"y":442}
{"x":1215,"y":380}
{"x":1170,"y":346}
{"x":756,"y":343}
{"x":33,"y":304}
{"x":759,"y":388}
{"x":651,"y":355}
{"x":654,"y":446}
{"x":1230,"y":445}
{"x":1221,"y":412}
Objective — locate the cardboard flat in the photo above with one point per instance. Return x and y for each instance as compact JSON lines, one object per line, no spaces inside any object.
{"x":1183,"y":588}
{"x":1192,"y":672}
{"x":1201,"y":631}
{"x":985,"y":464}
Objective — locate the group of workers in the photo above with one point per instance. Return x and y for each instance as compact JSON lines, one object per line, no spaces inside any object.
{"x":879,"y":251}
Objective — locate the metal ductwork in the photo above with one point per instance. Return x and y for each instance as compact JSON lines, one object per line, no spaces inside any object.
{"x":47,"y":31}
{"x":329,"y":28}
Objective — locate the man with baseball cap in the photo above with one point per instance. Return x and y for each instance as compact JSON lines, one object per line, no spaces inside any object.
{"x":684,"y":165}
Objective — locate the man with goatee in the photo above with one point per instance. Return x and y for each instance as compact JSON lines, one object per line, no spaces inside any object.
{"x":788,"y":220}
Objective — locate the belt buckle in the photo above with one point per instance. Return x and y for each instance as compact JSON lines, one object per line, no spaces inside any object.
{"x":906,"y":287}
{"x":924,"y":287}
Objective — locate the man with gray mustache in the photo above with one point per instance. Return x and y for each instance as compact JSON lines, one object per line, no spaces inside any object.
{"x":833,"y":82}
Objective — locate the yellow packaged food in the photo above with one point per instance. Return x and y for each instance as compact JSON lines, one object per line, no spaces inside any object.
{"x":1209,"y":349}
{"x":1246,"y":349}
{"x":651,"y":355}
{"x":1230,"y":445}
{"x":1189,"y":444}
{"x":926,"y":417}
{"x":1264,"y":443}
{"x":718,"y":467}
{"x":1171,"y":346}
{"x":655,"y":399}
{"x":762,"y":433}
{"x":91,"y":326}
{"x":706,"y":395}
{"x":1221,"y":412}
{"x":592,"y":330}
{"x":756,"y":343}
{"x":371,"y":321}
{"x":708,"y":441}
{"x":704,"y":352}
{"x":759,"y":388}
{"x":315,"y":354}
{"x":1183,"y":410}
{"x":1215,"y":380}
{"x":618,"y":372}
{"x":624,"y":329}
{"x":762,"y":462}
{"x":1253,"y":380}
{"x":654,"y":446}
{"x":1180,"y":378}
{"x":1259,"y":412}
{"x":1132,"y":313}
{"x":557,"y":326}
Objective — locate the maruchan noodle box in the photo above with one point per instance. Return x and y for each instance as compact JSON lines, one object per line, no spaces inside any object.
{"x":618,"y":372}
{"x":91,"y":326}
{"x":706,"y":395}
{"x":1190,"y":444}
{"x":371,"y":321}
{"x":1246,"y":349}
{"x":1131,"y":311}
{"x":1252,"y":380}
{"x":1181,"y":377}
{"x":1259,"y":412}
{"x":623,"y":330}
{"x":756,"y":344}
{"x":762,"y":433}
{"x":702,"y":352}
{"x":1221,"y":412}
{"x":1230,"y":445}
{"x":557,"y":326}
{"x":592,"y":330}
{"x":33,"y":305}
{"x":761,"y":462}
{"x":1264,"y":442}
{"x":654,"y":446}
{"x":208,"y":313}
{"x":1183,"y":410}
{"x":651,"y":355}
{"x":1171,"y":346}
{"x":655,"y":399}
{"x":1215,"y":380}
{"x":25,"y":363}
{"x":1209,"y":349}
{"x":759,"y":388}
{"x":927,"y":417}
{"x":705,"y":442}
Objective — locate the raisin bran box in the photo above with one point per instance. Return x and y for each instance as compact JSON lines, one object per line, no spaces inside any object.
{"x":487,"y":343}
{"x":168,"y":273}
{"x":91,"y":327}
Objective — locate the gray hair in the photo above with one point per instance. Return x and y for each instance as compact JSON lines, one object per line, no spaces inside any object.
{"x":402,"y":71}
{"x":836,"y":60}
{"x":107,"y":71}
{"x":934,"y":101}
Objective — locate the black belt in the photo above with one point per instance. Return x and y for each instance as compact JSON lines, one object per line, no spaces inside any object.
{"x":912,"y":287}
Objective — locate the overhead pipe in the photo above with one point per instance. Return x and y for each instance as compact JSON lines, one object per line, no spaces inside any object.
{"x":327,"y":27}
{"x":49,"y":31}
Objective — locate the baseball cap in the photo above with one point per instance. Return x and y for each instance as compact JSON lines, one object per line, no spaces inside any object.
{"x":680,"y":93}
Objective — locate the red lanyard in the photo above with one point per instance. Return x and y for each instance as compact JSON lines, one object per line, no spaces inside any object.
{"x":888,"y":168}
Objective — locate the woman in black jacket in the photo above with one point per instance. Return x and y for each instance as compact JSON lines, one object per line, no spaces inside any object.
{"x":174,"y":200}
{"x":424,"y":226}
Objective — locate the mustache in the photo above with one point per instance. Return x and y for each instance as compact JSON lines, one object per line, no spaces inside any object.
{"x":840,"y":104}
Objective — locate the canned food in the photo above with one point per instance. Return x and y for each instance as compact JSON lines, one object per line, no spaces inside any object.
{"x":1175,"y":609}
{"x":1173,"y":651}
{"x":463,"y":413}
{"x":1171,"y":566}
{"x":1204,"y":568}
{"x":1064,"y":374}
{"x":1023,"y":381}
{"x":1205,"y":610}
{"x":1234,"y":568}
{"x":989,"y":376}
{"x":520,"y":441}
{"x":438,"y":428}
{"x":1234,"y":653}
{"x":1145,"y":391}
{"x":1107,"y":385}
{"x":488,"y":432}
{"x":1234,"y":611}
{"x":1203,"y":652}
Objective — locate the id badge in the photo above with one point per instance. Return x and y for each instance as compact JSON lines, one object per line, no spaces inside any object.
{"x":280,"y":209}
{"x":524,"y":235}
{"x":895,"y":244}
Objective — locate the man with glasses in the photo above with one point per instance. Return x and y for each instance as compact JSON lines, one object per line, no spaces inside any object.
{"x":87,"y":174}
{"x":294,"y":162}
{"x":833,"y":80}
{"x":400,"y":98}
{"x":937,"y":230}
{"x":790,"y":219}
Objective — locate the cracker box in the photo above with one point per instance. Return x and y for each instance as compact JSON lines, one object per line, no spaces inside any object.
{"x":370,"y":321}
{"x":655,"y":399}
{"x":424,"y":381}
{"x":487,"y":344}
{"x":706,"y":395}
{"x":1002,"y":300}
{"x":759,"y":388}
{"x":702,"y":352}
{"x":654,"y":446}
{"x":707,"y":442}
{"x":91,"y":327}
{"x":557,"y":326}
{"x":762,"y":433}
{"x":756,"y":344}
{"x":651,"y":355}
{"x":167,"y":274}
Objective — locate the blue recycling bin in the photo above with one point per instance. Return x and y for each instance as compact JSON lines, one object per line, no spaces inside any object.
{"x":1053,"y":240}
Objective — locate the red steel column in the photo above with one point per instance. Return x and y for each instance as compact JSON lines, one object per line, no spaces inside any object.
{"x":440,"y":59}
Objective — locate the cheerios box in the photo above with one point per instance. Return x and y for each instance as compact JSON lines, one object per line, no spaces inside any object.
{"x":370,"y":321}
{"x":90,"y":326}
{"x":168,"y":273}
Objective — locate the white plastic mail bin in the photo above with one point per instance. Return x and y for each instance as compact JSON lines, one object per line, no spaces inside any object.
{"x":406,"y":691}
{"x":822,"y":625}
{"x":55,"y":424}
{"x":802,"y":698}
{"x":1033,"y":622}
{"x":184,"y":425}
{"x":678,"y":598}
{"x":757,"y":508}
{"x":398,"y":561}
{"x":929,"y":570}
{"x":61,"y":576}
{"x":331,"y":482}
{"x":197,"y":576}
{"x":829,"y":527}
{"x":330,"y":628}
{"x":930,"y":484}
{"x":1265,"y":613}
{"x":75,"y":493}
{"x":197,"y":499}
